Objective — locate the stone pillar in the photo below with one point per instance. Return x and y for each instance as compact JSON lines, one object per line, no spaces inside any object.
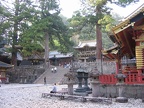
{"x":0,"y":79}
{"x":120,"y":84}
{"x":95,"y":89}
{"x":21,"y":80}
{"x":70,"y":89}
{"x":95,"y":84}
{"x":25,"y":80}
{"x":7,"y":80}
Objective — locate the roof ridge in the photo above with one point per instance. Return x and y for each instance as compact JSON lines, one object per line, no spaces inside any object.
{"x":88,"y":41}
{"x":135,"y":11}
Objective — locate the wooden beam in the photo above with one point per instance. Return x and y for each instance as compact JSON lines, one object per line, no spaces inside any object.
{"x":128,"y":44}
{"x":141,"y":27}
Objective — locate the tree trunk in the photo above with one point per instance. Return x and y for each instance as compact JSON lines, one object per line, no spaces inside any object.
{"x":47,"y":63}
{"x":15,"y":36}
{"x":98,"y":41}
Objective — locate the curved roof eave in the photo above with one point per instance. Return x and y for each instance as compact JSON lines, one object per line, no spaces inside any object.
{"x":127,"y":21}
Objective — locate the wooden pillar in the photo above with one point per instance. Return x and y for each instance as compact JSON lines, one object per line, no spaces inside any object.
{"x":117,"y":66}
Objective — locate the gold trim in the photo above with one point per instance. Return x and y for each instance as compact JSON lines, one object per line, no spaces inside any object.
{"x":139,"y":39}
{"x":127,"y":21}
{"x":122,"y":24}
{"x":139,"y":47}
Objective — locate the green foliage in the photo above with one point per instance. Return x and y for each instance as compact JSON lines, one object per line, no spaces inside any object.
{"x":123,"y":3}
{"x":26,"y":24}
{"x":97,"y":2}
{"x":106,"y":22}
{"x":106,"y":42}
{"x":84,"y":22}
{"x":47,"y":20}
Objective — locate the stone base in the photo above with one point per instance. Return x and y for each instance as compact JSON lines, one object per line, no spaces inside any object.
{"x":80,"y":93}
{"x":121,"y":99}
{"x":143,"y":100}
{"x":6,"y":82}
{"x":89,"y":92}
{"x":79,"y":90}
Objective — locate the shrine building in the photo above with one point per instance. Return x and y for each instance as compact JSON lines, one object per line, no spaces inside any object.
{"x":86,"y":51}
{"x":128,"y":37}
{"x":4,"y":68}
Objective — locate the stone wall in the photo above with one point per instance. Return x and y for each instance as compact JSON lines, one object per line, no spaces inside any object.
{"x":105,"y":67}
{"x":26,"y":73}
{"x":130,"y":91}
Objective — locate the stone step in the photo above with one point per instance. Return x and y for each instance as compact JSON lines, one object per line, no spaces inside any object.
{"x":52,"y":77}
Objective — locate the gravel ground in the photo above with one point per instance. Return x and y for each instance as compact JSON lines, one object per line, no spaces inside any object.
{"x":29,"y":96}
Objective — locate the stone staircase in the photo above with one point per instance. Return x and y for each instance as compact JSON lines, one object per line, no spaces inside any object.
{"x":51,"y":77}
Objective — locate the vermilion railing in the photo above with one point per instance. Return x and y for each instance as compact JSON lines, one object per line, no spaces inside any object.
{"x":134,"y":78}
{"x":131,"y":78}
{"x":107,"y":79}
{"x":2,"y":79}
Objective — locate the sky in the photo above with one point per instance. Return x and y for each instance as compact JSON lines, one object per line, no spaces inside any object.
{"x":69,"y":6}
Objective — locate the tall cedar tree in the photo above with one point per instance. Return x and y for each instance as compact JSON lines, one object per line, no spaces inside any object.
{"x":15,"y":15}
{"x":48,"y":25}
{"x":97,"y":14}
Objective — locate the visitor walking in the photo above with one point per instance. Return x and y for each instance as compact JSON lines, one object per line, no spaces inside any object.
{"x":52,"y":70}
{"x":55,"y":69}
{"x":44,"y":80}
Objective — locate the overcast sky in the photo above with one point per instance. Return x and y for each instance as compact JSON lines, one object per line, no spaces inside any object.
{"x":69,"y":6}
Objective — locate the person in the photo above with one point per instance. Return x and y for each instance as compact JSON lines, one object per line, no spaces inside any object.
{"x":55,"y":69}
{"x":52,"y":70}
{"x":0,"y":81}
{"x":54,"y":89}
{"x":44,"y":80}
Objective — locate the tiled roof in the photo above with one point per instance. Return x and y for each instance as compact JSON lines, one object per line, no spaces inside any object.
{"x":59,"y":55}
{"x":36,"y":57}
{"x":2,"y":64}
{"x":86,"y":43}
{"x":3,"y":52}
{"x":126,"y":21}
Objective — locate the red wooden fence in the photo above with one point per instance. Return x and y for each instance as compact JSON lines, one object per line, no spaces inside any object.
{"x":107,"y":79}
{"x":131,"y":78}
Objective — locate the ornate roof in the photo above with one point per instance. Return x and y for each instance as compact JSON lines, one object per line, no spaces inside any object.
{"x":5,"y":65}
{"x":35,"y":57}
{"x":82,"y":44}
{"x":57,"y":54}
{"x":126,"y":33}
{"x":128,"y":20}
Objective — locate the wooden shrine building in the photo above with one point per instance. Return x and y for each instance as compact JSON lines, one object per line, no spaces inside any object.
{"x":36,"y":59}
{"x":128,"y":37}
{"x":4,"y":67}
{"x":57,"y":58}
{"x":86,"y":51}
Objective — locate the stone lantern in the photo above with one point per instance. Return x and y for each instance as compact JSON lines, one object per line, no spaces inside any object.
{"x":70,"y":80}
{"x":80,"y":75}
{"x":7,"y":79}
{"x":21,"y":80}
{"x":86,"y":75}
{"x":94,"y":80}
{"x":120,"y":85}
